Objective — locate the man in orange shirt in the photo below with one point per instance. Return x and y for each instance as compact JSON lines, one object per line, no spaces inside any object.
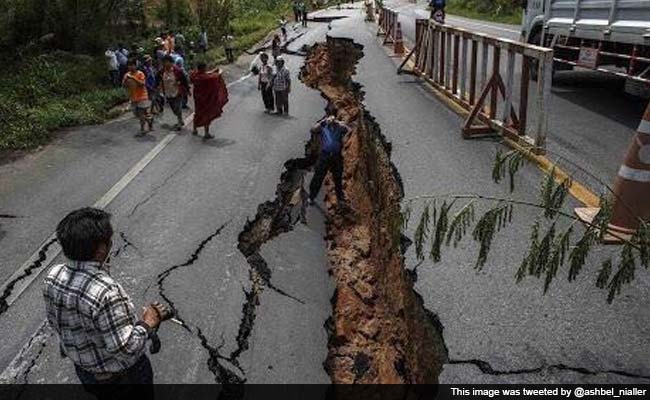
{"x":135,"y":82}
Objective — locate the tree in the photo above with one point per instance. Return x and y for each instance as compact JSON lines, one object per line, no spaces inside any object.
{"x":73,"y":25}
{"x":215,"y":16}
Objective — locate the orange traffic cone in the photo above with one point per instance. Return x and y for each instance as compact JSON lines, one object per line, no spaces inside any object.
{"x":399,"y":43}
{"x":631,"y":189}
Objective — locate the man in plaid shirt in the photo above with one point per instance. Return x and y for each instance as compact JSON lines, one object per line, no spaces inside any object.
{"x":282,"y":87}
{"x":92,"y":315}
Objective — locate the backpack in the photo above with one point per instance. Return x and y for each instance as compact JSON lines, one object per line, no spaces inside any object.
{"x":330,"y":139}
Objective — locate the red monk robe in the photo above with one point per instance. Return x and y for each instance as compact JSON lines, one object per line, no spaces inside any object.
{"x":210,"y":96}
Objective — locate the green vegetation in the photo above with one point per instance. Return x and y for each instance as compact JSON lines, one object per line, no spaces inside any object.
{"x":503,"y":11}
{"x":53,"y":86}
{"x":52,"y":91}
{"x":249,"y":29}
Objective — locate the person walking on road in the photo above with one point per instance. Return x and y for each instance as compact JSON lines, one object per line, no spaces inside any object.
{"x":91,"y":313}
{"x":281,"y":87}
{"x":228,"y":46}
{"x":122,"y":56}
{"x":179,"y":42}
{"x":152,"y":84}
{"x":331,"y":133}
{"x":276,"y":47}
{"x":136,"y":83}
{"x":113,"y":67}
{"x":203,"y":41}
{"x":283,"y":27}
{"x":296,"y":11}
{"x":265,"y":83}
{"x":210,"y":97}
{"x":174,"y":85}
{"x":303,"y":13}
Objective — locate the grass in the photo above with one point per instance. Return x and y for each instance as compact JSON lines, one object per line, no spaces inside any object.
{"x":58,"y":90}
{"x":460,"y":8}
{"x":248,"y":30}
{"x":50,"y":92}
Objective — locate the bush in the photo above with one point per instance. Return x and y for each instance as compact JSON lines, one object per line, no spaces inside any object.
{"x":53,"y":91}
{"x":506,"y":11}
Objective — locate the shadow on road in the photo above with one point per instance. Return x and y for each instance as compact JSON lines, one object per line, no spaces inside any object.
{"x":600,"y":94}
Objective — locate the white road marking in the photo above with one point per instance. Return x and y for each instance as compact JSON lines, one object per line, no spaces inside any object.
{"x":425,"y":14}
{"x":103,"y":202}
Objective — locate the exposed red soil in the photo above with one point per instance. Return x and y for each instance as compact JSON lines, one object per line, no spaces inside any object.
{"x":380,"y":333}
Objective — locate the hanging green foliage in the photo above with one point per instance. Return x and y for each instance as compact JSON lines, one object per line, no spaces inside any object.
{"x":547,"y":252}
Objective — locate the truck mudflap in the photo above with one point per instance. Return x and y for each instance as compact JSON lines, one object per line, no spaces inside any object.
{"x":629,"y":61}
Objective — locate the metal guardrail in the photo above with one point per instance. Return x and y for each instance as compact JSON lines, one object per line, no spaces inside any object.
{"x":467,"y":67}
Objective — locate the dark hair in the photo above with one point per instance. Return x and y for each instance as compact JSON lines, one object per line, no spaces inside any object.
{"x":202,"y":66}
{"x":264,"y":55}
{"x":331,"y":110}
{"x":168,"y":58}
{"x":132,"y":61}
{"x":82,"y":231}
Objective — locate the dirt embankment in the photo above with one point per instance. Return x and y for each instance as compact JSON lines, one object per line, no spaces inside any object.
{"x":379,"y":330}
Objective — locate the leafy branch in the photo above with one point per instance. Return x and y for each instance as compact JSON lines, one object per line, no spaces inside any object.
{"x":553,"y":244}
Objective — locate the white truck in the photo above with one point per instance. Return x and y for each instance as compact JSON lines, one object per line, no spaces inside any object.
{"x":610,"y":36}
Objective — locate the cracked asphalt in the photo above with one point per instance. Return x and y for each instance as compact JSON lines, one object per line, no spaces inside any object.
{"x":189,"y":206}
{"x":186,"y":193}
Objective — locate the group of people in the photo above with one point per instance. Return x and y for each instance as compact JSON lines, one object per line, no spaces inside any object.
{"x":274,"y":84}
{"x":300,"y":12}
{"x":153,"y":82}
{"x":94,"y":318}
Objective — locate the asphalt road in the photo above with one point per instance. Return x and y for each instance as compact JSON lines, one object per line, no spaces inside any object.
{"x":592,"y":120}
{"x":192,"y":188}
{"x":486,"y":316}
{"x":178,"y":201}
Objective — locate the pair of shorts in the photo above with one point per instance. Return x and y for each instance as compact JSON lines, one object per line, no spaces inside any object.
{"x":140,"y":108}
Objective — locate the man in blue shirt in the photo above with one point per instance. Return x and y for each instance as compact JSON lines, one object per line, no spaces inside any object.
{"x":331,"y":132}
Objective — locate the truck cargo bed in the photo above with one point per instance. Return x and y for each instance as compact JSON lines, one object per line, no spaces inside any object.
{"x":626,"y":21}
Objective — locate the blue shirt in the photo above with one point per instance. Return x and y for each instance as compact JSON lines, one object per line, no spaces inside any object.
{"x":331,"y":137}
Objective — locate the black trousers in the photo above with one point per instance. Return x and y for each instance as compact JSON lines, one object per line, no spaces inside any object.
{"x":267,"y":96}
{"x":282,"y":101}
{"x":328,"y":163}
{"x":134,"y":383}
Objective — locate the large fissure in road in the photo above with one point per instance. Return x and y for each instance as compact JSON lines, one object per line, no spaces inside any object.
{"x":273,"y":218}
{"x":380,"y":331}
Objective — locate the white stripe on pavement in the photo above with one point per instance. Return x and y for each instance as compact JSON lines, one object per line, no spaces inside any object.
{"x":426,"y":14}
{"x":644,"y":127}
{"x":633,"y":174}
{"x":54,"y":250}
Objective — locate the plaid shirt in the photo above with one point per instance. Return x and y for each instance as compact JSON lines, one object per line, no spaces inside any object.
{"x":281,"y":80}
{"x":93,"y":317}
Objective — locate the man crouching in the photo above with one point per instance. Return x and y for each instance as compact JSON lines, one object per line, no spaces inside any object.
{"x":91,"y":313}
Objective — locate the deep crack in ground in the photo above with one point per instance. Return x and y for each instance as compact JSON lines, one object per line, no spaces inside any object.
{"x":224,"y":370}
{"x":156,"y":189}
{"x":273,"y":218}
{"x":38,"y":263}
{"x":379,"y":331}
{"x":487,"y":369}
